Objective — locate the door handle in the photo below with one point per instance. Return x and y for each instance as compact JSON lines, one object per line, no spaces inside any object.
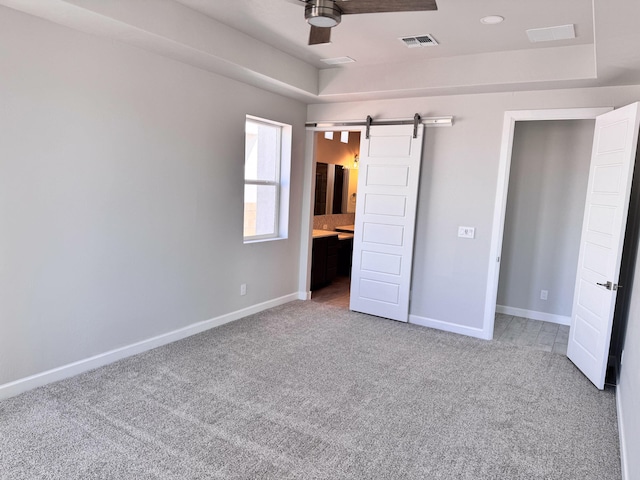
{"x":608,"y":285}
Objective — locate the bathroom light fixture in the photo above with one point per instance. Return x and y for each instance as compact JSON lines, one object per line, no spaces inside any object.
{"x":356,"y":160}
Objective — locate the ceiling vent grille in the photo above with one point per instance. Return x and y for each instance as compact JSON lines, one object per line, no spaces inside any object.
{"x":425,"y":40}
{"x":550,"y":34}
{"x":338,"y":60}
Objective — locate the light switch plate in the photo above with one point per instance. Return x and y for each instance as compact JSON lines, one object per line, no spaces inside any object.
{"x":466,"y":232}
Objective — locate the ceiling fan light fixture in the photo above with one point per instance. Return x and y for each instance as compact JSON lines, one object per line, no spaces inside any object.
{"x":322,"y":13}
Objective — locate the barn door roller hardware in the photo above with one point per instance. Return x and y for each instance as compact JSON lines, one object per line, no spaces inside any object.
{"x":369,"y":122}
{"x":416,"y":122}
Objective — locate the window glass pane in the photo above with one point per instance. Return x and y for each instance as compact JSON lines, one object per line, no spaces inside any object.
{"x":260,"y":203}
{"x":267,"y":175}
{"x":262,"y":151}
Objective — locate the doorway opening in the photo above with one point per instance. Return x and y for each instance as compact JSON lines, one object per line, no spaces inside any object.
{"x":336,"y":155}
{"x":543,"y":222}
{"x":511,"y":119}
{"x":608,"y":212}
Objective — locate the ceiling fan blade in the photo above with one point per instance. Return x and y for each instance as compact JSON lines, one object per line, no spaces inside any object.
{"x":319,"y":35}
{"x":383,"y":6}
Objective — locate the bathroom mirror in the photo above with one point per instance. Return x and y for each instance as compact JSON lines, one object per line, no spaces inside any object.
{"x":336,"y":181}
{"x":332,"y":189}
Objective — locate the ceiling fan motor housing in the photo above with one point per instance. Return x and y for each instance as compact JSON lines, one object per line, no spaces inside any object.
{"x":322,"y":13}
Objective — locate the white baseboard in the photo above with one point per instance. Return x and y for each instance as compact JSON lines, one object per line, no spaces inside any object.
{"x":449,"y":327}
{"x":624,"y":467}
{"x":532,"y":314}
{"x":304,"y":295}
{"x":16,"y":387}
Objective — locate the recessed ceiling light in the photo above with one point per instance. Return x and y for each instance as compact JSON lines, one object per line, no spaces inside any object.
{"x":492,"y":19}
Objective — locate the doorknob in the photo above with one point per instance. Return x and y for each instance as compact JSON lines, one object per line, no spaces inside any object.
{"x":608,"y":285}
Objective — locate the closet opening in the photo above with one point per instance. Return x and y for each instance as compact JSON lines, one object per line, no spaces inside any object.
{"x":547,"y":188}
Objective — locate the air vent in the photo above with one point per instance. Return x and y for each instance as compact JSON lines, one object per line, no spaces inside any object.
{"x":550,"y":34}
{"x":338,"y":60}
{"x":425,"y":40}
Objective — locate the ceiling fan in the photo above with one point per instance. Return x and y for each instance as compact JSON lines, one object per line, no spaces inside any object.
{"x":323,"y":15}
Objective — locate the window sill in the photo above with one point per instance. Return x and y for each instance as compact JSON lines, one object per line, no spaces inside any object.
{"x":261,"y":240}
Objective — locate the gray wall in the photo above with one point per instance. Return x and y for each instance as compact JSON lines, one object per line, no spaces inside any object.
{"x":628,"y":389}
{"x":545,"y":208}
{"x":458,"y":187}
{"x":121,"y":196}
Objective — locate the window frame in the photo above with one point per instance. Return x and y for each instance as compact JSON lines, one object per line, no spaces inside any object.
{"x":281,"y":182}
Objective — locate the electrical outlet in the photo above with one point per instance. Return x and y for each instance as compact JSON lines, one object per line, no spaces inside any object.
{"x":325,"y":226}
{"x":544,"y":294}
{"x":243,"y":289}
{"x":466,"y":232}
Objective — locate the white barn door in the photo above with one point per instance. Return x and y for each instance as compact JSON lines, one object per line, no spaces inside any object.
{"x":385,"y":221}
{"x":612,"y":161}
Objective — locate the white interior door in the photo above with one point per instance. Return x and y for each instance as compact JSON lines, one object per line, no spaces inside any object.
{"x":385,"y":221}
{"x":614,"y":152}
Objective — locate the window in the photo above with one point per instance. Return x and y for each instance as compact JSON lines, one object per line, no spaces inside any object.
{"x":267,"y":165}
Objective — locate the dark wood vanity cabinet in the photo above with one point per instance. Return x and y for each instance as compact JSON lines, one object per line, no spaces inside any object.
{"x":345,"y":253}
{"x":324,"y":261}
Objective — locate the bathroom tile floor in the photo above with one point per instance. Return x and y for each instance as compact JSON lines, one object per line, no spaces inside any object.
{"x":336,"y":293}
{"x":546,"y":336}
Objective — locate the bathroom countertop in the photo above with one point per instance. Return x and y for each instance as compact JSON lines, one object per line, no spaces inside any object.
{"x":324,"y":233}
{"x":346,"y":228}
{"x":331,"y":233}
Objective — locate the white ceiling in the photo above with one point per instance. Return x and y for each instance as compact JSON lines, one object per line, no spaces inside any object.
{"x":373,"y":38}
{"x":264,"y":43}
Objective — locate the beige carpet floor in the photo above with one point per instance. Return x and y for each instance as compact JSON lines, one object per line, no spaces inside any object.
{"x":310,"y":391}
